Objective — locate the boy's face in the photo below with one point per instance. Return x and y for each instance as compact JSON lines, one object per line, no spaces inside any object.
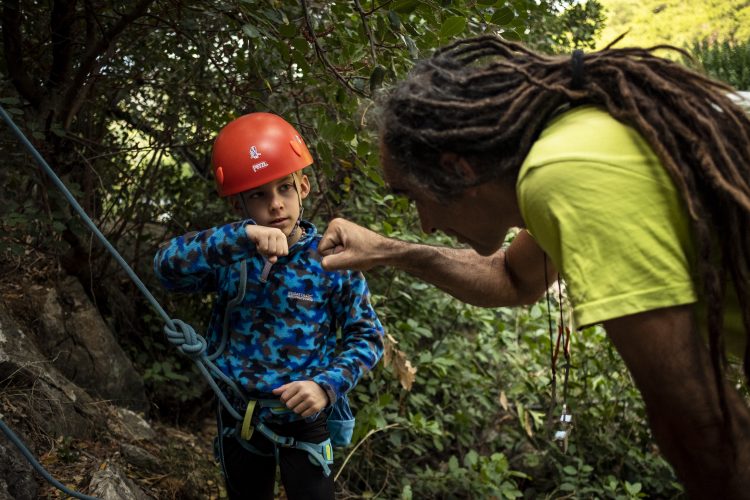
{"x":275,"y":204}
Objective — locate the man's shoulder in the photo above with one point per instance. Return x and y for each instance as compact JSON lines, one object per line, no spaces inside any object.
{"x":587,"y":134}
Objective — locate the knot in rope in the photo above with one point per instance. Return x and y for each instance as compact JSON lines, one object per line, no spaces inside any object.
{"x":183,"y":337}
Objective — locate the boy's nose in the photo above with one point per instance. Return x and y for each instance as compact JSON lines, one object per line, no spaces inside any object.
{"x":276,"y":202}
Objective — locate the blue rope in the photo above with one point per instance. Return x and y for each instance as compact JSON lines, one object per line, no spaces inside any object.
{"x":33,"y":461}
{"x":179,"y":333}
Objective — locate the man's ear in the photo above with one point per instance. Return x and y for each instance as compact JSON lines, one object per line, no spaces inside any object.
{"x":304,"y":186}
{"x":458,"y":165}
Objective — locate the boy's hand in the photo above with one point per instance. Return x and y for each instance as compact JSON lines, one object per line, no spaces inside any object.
{"x":303,"y":397}
{"x":269,"y":241}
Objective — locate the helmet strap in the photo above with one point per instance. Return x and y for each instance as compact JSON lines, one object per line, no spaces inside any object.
{"x":244,"y":206}
{"x":301,"y":210}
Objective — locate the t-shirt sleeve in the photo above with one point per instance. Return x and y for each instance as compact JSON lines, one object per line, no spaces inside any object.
{"x":620,"y":237}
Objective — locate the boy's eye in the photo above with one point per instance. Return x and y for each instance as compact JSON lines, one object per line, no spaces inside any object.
{"x":255,"y":196}
{"x":286,"y":187}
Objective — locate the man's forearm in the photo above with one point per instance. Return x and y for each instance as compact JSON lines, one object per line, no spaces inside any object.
{"x":484,"y":281}
{"x":514,"y":276}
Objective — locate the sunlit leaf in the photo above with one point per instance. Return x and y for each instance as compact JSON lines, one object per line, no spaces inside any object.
{"x":452,"y":26}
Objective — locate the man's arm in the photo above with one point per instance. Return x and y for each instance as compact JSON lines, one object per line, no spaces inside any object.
{"x":672,"y":369}
{"x":514,"y":276}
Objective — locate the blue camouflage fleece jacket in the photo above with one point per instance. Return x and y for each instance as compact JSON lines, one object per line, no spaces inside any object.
{"x":285,"y":328}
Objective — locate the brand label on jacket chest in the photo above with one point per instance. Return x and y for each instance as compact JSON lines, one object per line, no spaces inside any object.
{"x":307,"y":297}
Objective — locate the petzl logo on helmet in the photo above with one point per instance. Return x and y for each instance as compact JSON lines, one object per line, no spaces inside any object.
{"x":254,"y":154}
{"x":259,"y":166}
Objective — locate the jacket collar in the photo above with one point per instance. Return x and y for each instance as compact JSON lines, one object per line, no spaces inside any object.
{"x":304,"y":242}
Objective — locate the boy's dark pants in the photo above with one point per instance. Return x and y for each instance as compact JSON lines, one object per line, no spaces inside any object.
{"x":251,"y":476}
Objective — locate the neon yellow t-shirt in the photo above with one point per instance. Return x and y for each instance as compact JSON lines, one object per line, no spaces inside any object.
{"x":598,"y":201}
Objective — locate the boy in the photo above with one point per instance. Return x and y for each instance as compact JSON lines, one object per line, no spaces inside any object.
{"x":276,"y":314}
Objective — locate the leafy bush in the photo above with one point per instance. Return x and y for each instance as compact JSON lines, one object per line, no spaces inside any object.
{"x":728,"y":61}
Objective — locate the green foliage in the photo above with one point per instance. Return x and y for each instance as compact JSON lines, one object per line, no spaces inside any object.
{"x":727,"y":61}
{"x":474,"y":423}
{"x":654,"y":22}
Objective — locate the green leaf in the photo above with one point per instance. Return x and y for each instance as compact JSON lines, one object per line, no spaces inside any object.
{"x":535,"y":312}
{"x":395,"y":439}
{"x":471,"y":459}
{"x":376,"y":78}
{"x":251,"y":31}
{"x":503,"y":16}
{"x":570,"y":470}
{"x":288,"y":30}
{"x":511,"y":35}
{"x":412,"y":47}
{"x":406,"y":493}
{"x":394,"y":20}
{"x":452,"y":26}
{"x":13,"y":101}
{"x":404,"y":6}
{"x":632,"y":488}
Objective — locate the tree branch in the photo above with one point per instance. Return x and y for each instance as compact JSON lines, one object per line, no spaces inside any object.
{"x":12,"y":44}
{"x":321,"y":54}
{"x":95,"y":57}
{"x":368,"y":31}
{"x":179,"y":150}
{"x":61,"y":21}
{"x":375,"y":9}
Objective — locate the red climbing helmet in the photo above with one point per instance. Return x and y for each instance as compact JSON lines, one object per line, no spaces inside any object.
{"x":255,"y":149}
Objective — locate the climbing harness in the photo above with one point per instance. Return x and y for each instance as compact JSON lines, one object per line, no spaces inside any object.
{"x":565,"y":424}
{"x":340,"y":422}
{"x":319,"y":453}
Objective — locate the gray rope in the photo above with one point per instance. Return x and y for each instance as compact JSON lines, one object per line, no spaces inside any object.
{"x":33,"y":461}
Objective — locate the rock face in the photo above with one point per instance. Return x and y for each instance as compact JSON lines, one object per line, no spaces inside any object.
{"x":15,"y":475}
{"x":44,"y":375}
{"x":111,"y":483}
{"x":51,"y":337}
{"x":74,"y":336}
{"x":49,"y":403}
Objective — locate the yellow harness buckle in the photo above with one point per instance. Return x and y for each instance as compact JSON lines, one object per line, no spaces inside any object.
{"x":247,"y":430}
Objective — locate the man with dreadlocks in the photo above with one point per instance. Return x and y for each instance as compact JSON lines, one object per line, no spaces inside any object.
{"x":631,"y":173}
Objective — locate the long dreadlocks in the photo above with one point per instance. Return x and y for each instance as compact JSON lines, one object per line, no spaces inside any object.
{"x":487,"y":100}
